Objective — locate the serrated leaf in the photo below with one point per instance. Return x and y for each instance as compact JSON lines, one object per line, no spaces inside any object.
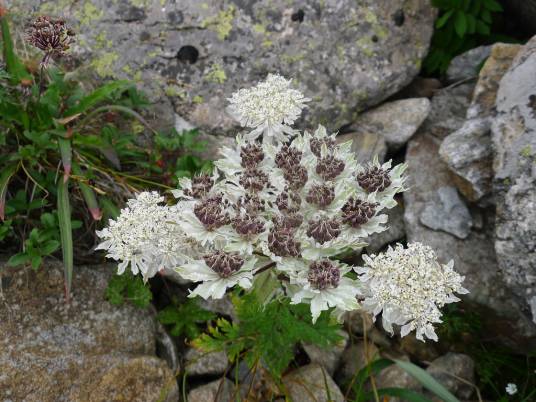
{"x":426,"y":380}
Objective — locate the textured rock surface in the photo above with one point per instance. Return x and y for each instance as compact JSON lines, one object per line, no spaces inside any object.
{"x":447,"y":212}
{"x":199,"y":363}
{"x":395,"y":121}
{"x":514,"y":166}
{"x":308,"y":384}
{"x":466,"y":65}
{"x":395,"y":377}
{"x":85,"y":350}
{"x":344,"y":55}
{"x":328,"y":358}
{"x":446,"y":368}
{"x":468,"y":151}
{"x":474,"y":256}
{"x":355,"y":358}
{"x":215,"y":391}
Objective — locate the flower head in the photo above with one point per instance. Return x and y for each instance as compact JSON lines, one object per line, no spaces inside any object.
{"x":270,"y":108}
{"x":409,"y":286}
{"x":51,"y":36}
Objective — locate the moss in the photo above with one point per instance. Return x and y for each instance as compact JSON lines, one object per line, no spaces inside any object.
{"x":216,"y":74}
{"x":222,"y":23}
{"x":198,"y":99}
{"x":103,"y":64}
{"x":526,"y":151}
{"x":88,"y":13}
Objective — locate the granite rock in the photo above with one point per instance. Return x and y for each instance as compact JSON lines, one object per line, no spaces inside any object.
{"x":221,"y":390}
{"x":447,"y":368}
{"x":198,"y":363}
{"x":308,"y":384}
{"x":465,"y":65}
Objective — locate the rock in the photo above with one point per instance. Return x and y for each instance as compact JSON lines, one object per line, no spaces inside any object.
{"x":446,"y":368}
{"x":514,"y":167}
{"x":473,"y":256}
{"x":394,"y":233}
{"x":396,"y":377}
{"x":356,"y":357}
{"x":199,"y":363}
{"x":255,"y":383}
{"x":223,"y":306}
{"x":216,"y":391}
{"x":395,"y":121}
{"x":346,"y":56}
{"x":448,"y":213}
{"x":468,"y":151}
{"x":83,"y":350}
{"x":465,"y":66}
{"x":421,"y":351}
{"x":308,"y":384}
{"x":366,"y":145}
{"x":420,"y":87}
{"x":166,"y":348}
{"x":357,"y":321}
{"x":328,"y":358}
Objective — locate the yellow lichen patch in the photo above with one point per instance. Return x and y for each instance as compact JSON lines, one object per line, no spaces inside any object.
{"x":174,"y":91}
{"x":137,"y":127}
{"x":140,"y":3}
{"x":370,"y":17}
{"x":259,"y":28}
{"x":526,"y":151}
{"x":267,"y":43}
{"x":365,"y":45}
{"x":216,"y":74}
{"x":103,"y":64}
{"x":222,"y":23}
{"x":101,"y":41}
{"x":88,"y":13}
{"x":198,"y":99}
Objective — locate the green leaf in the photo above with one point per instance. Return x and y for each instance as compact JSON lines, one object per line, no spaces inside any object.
{"x":492,"y":5}
{"x":66,"y":157}
{"x":88,"y":194}
{"x":404,"y":394}
{"x":460,"y":23}
{"x":110,"y":209}
{"x":482,"y":28}
{"x":36,"y":261}
{"x":443,"y":19}
{"x":66,"y":234}
{"x":14,"y":66}
{"x":427,"y":380}
{"x":5,"y":176}
{"x":49,"y":247}
{"x":129,"y":287}
{"x":471,"y":24}
{"x":18,"y":259}
{"x":100,"y":94}
{"x":185,"y":318}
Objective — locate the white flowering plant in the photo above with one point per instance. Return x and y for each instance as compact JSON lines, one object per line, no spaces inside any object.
{"x":282,"y":209}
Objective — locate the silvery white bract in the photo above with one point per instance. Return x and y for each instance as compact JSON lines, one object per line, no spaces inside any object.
{"x":282,"y":209}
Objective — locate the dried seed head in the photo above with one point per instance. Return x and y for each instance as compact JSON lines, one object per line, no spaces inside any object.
{"x":357,"y":212}
{"x":316,"y":145}
{"x":251,"y":203}
{"x":329,"y":167}
{"x":51,"y":36}
{"x":323,"y":274}
{"x":296,"y":176}
{"x":374,"y":178}
{"x":287,"y":157}
{"x":247,"y":225}
{"x":251,"y":155}
{"x":288,"y":201}
{"x":320,"y":195}
{"x":289,"y":221}
{"x":224,"y":264}
{"x":201,"y":185}
{"x":324,"y":229}
{"x":211,"y":212}
{"x":253,"y":179}
{"x":281,"y":242}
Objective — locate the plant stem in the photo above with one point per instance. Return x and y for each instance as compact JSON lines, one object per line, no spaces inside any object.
{"x":372,"y":379}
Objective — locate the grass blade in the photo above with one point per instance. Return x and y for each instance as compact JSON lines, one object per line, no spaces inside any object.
{"x":427,"y":380}
{"x":66,"y":157}
{"x":97,"y":96}
{"x":14,"y":66}
{"x":5,"y":176}
{"x":66,"y":234}
{"x":88,"y":194}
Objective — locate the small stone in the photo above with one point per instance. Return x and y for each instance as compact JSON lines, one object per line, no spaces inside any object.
{"x":365,"y":145}
{"x":308,"y":384}
{"x":448,"y":213}
{"x":329,"y":358}
{"x":465,"y":65}
{"x":396,"y":377}
{"x":446,"y":368}
{"x":395,"y":121}
{"x":216,"y":391}
{"x":199,"y":363}
{"x":356,"y":357}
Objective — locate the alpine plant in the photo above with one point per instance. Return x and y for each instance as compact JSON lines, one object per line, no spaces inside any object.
{"x":285,"y":206}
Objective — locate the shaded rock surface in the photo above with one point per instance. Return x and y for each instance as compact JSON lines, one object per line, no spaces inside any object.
{"x":468,"y":150}
{"x":308,"y":384}
{"x":473,"y":256}
{"x":356,"y":357}
{"x":344,"y":55}
{"x":85,"y":350}
{"x":466,"y":65}
{"x":446,"y":368}
{"x":395,"y":121}
{"x":330,"y":357}
{"x":514,"y":166}
{"x":199,"y":363}
{"x":221,"y":390}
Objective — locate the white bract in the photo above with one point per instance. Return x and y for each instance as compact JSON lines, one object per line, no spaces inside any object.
{"x":511,"y":388}
{"x":289,"y":204}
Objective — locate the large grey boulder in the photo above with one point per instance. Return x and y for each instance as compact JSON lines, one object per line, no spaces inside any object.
{"x":514,"y":166}
{"x":474,"y":256}
{"x":465,"y":66}
{"x":345,"y":55}
{"x":86,"y":349}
